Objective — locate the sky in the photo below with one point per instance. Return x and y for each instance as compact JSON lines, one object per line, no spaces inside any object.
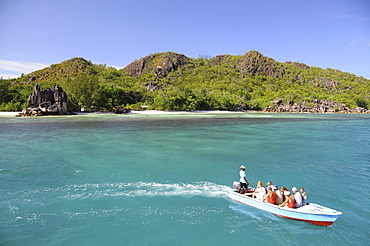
{"x":327,"y":34}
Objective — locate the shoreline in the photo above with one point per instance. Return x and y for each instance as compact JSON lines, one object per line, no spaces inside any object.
{"x":154,"y":112}
{"x":6,"y":113}
{"x":149,"y":112}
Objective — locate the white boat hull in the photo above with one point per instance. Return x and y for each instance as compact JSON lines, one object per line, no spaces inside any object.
{"x":312,"y":213}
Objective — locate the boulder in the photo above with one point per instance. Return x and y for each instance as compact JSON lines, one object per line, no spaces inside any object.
{"x":122,"y":110}
{"x":51,"y":101}
{"x":320,"y":106}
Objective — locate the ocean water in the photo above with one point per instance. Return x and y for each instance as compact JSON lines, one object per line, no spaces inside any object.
{"x":164,"y":179}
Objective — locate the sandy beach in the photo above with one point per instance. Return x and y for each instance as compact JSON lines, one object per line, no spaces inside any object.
{"x":152,"y":112}
{"x":138,"y":112}
{"x":9,"y":113}
{"x":180,"y":112}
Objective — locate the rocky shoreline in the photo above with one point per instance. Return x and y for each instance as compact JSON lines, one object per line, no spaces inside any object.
{"x":51,"y":101}
{"x":319,"y":106}
{"x":152,"y":112}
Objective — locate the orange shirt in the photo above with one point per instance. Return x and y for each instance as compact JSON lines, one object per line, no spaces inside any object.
{"x":291,"y":202}
{"x":272,"y":197}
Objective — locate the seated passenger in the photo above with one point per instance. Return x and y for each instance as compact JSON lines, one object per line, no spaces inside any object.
{"x":297,"y":198}
{"x":260,"y":191}
{"x":279,"y":195}
{"x":304,"y":196}
{"x":269,"y":183}
{"x":285,"y":192}
{"x":271,"y":196}
{"x":289,"y":202}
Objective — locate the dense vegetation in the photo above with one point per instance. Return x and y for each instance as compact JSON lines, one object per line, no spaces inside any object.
{"x":171,"y":81}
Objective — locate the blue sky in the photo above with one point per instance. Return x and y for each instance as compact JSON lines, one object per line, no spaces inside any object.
{"x":327,"y":34}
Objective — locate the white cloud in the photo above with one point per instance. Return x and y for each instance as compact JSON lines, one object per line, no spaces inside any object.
{"x":8,"y":75}
{"x":353,"y":42}
{"x":116,"y":67}
{"x":13,"y":69}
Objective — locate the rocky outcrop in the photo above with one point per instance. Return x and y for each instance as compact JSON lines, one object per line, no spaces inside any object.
{"x":122,"y":110}
{"x":51,"y":101}
{"x":136,"y":68}
{"x":255,"y":63}
{"x":319,"y":106}
{"x":299,"y":65}
{"x":329,"y":84}
{"x":153,"y":87}
{"x":217,"y":60}
{"x":161,"y":64}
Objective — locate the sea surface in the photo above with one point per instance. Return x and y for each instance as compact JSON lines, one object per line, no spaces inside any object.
{"x":163,"y":179}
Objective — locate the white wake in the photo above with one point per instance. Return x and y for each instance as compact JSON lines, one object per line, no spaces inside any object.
{"x":139,"y":189}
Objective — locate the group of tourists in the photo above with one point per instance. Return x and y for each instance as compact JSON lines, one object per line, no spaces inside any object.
{"x":271,"y":193}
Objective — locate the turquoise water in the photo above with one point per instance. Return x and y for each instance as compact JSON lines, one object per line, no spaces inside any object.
{"x":164,"y":179}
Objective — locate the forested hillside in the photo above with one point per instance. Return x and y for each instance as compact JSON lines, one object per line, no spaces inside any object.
{"x":171,"y":81}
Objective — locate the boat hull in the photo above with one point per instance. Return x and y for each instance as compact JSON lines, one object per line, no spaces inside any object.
{"x":312,"y":213}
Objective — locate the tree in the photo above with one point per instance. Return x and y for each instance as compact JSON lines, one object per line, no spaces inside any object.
{"x":4,"y":92}
{"x":82,"y":91}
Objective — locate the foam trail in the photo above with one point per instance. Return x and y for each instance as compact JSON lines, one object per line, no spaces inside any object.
{"x":136,"y":189}
{"x":206,"y":189}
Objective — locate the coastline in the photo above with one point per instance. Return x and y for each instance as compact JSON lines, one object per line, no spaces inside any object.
{"x":6,"y":113}
{"x":133,"y":112}
{"x":158,"y":112}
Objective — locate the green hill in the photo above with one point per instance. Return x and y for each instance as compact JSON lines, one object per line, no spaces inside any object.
{"x":171,"y":81}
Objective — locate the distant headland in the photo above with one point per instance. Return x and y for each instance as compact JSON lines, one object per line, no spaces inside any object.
{"x":174,"y":82}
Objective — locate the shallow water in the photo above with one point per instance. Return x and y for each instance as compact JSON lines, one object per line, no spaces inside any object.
{"x":164,"y":179}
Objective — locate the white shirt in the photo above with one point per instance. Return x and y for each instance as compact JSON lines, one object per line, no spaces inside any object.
{"x":242,"y":175}
{"x":298,"y":199}
{"x":261,"y":192}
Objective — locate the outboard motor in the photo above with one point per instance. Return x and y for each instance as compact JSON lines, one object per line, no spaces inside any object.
{"x":236,"y":184}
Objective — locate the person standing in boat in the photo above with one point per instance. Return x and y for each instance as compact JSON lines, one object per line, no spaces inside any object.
{"x":297,"y":198}
{"x":243,"y":187}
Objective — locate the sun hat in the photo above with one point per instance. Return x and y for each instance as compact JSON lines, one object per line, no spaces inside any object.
{"x":294,"y":189}
{"x":274,"y":187}
{"x":242,"y":167}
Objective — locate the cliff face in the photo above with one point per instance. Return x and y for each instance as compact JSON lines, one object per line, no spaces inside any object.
{"x":160,"y":64}
{"x":50,"y":101}
{"x":255,"y":63}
